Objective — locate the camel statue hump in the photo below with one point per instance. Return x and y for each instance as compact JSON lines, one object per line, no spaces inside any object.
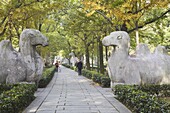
{"x":160,"y":50}
{"x":12,"y":69}
{"x":142,"y":50}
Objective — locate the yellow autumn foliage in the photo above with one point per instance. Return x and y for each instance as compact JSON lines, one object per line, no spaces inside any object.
{"x":123,"y":11}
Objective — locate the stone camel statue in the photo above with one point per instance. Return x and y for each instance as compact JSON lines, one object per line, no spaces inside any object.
{"x":145,"y":68}
{"x":73,"y":59}
{"x":26,"y":65}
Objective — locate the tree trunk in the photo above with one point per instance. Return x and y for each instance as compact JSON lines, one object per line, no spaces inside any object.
{"x":92,"y":60}
{"x":87,"y":58}
{"x":92,"y":57}
{"x":69,"y":52}
{"x":137,"y":37}
{"x":137,"y":33}
{"x":101,"y":57}
{"x":98,"y":59}
{"x":93,"y":52}
{"x":106,"y":52}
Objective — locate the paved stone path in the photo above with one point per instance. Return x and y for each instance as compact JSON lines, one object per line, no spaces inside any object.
{"x":70,"y":93}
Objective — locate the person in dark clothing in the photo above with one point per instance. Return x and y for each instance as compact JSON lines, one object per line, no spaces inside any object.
{"x":79,"y":67}
{"x":57,"y":66}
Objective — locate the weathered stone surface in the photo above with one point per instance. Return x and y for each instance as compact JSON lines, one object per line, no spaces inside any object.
{"x":12,"y":69}
{"x":25,"y":65}
{"x":145,"y":68}
{"x":73,"y":59}
{"x":29,"y":39}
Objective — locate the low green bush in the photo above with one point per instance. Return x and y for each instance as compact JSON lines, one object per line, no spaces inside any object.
{"x":66,"y":65}
{"x":46,"y":77}
{"x":17,"y":98}
{"x":87,"y":73}
{"x":73,"y":68}
{"x":105,"y":81}
{"x":159,"y":90}
{"x":96,"y":77}
{"x":140,"y":101}
{"x":5,"y":87}
{"x":84,"y":71}
{"x":69,"y":66}
{"x":99,"y":78}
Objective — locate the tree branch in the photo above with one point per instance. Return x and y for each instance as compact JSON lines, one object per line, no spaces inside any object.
{"x":3,"y":31}
{"x":151,"y":21}
{"x":108,"y":19}
{"x":3,"y":20}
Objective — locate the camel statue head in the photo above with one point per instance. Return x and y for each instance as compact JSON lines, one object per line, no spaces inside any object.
{"x":35,"y":37}
{"x":118,"y":39}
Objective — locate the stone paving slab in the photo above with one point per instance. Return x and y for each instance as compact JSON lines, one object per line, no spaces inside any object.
{"x":70,"y":93}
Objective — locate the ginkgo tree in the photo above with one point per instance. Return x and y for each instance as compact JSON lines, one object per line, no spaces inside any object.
{"x":80,"y":25}
{"x":128,"y":15}
{"x":16,"y":15}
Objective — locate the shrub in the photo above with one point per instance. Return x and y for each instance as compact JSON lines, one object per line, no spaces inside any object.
{"x":47,"y":76}
{"x":69,"y":66}
{"x":5,"y":87}
{"x":96,"y":77}
{"x":165,"y":90}
{"x":87,"y":73}
{"x":84,"y":71}
{"x":140,"y":101}
{"x":17,"y":98}
{"x":159,"y":90}
{"x":105,"y":81}
{"x":66,"y":65}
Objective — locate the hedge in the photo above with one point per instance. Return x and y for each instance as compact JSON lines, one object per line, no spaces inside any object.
{"x":71,"y":67}
{"x":46,"y":77}
{"x":105,"y":81}
{"x":140,"y":100}
{"x":5,"y":87}
{"x":16,"y":98}
{"x":159,"y":90}
{"x":99,"y":78}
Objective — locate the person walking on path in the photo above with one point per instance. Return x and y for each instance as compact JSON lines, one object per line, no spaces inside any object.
{"x":57,"y":66}
{"x":79,"y":66}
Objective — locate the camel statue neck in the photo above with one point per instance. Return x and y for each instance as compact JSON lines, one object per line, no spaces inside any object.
{"x":120,"y":53}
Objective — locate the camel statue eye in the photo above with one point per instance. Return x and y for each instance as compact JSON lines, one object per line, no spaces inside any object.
{"x":119,"y":37}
